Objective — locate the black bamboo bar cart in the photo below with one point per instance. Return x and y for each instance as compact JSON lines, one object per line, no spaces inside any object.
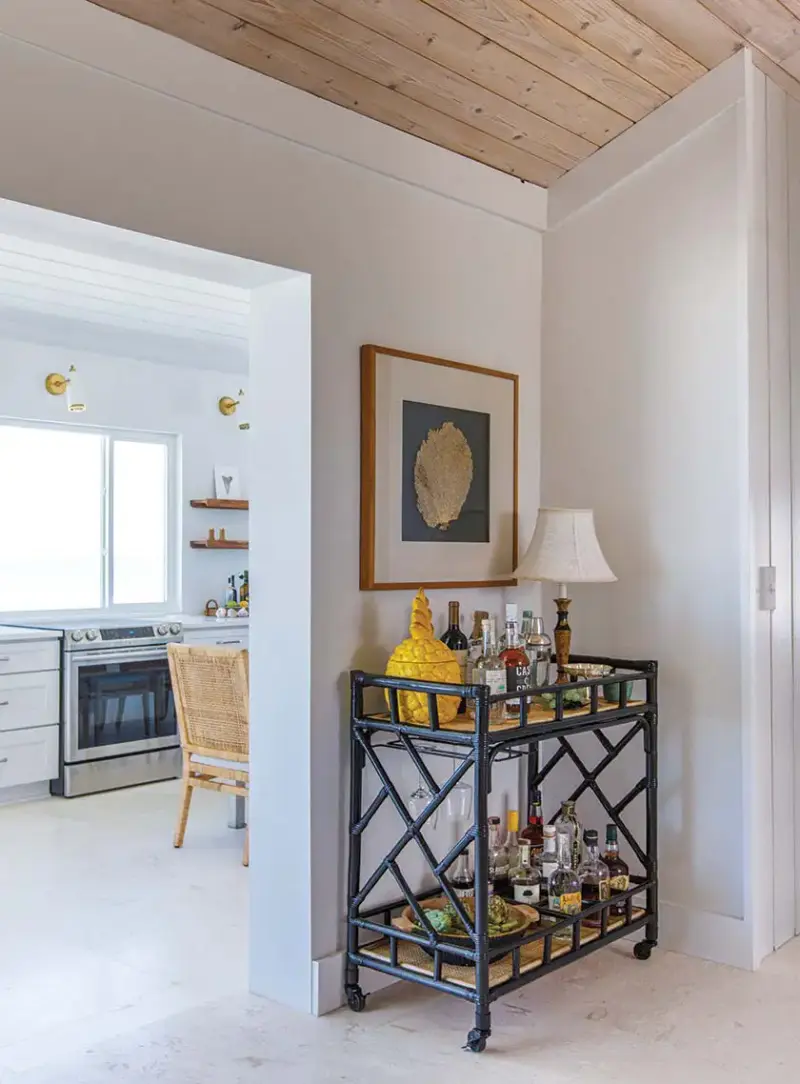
{"x":475,"y":745}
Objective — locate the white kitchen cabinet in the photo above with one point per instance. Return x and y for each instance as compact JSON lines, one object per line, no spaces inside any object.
{"x":29,"y":700}
{"x":29,"y":656}
{"x":28,"y":756}
{"x":224,"y":636}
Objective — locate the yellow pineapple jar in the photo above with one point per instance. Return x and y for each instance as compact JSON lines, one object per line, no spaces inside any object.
{"x":424,"y":658}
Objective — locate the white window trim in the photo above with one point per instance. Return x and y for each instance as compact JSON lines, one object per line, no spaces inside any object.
{"x":172,"y":604}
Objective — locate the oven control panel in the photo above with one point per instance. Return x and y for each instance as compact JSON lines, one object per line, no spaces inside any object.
{"x":134,"y":632}
{"x":119,"y":635}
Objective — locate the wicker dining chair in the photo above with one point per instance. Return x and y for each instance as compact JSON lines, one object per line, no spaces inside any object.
{"x":211,"y":690}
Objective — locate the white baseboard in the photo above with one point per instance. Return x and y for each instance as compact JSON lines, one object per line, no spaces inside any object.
{"x":28,"y":792}
{"x":719,"y":938}
{"x":328,"y":979}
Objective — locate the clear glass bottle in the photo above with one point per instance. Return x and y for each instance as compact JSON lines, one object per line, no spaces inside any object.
{"x":489,"y":669}
{"x":564,"y":887}
{"x":524,"y":878}
{"x":547,"y":861}
{"x":517,"y":663}
{"x":463,"y":879}
{"x":568,"y":819}
{"x":511,"y":845}
{"x":618,"y":871}
{"x":498,"y":858}
{"x":538,"y":647}
{"x":475,"y":643}
{"x":593,"y":872}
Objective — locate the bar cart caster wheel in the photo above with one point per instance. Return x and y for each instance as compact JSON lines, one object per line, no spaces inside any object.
{"x":643,"y":950}
{"x":356,"y":999}
{"x":476,"y":1041}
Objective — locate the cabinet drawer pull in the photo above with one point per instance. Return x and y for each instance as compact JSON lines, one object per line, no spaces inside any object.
{"x":3,"y":703}
{"x":3,"y":760}
{"x":220,"y":643}
{"x":5,"y":658}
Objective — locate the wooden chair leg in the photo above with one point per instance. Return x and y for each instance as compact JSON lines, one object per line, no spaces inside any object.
{"x":183,"y":812}
{"x":246,"y":855}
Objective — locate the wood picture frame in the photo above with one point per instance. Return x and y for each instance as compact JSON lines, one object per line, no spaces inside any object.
{"x":372,"y":567}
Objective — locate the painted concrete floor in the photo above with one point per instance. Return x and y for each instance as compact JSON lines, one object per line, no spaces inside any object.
{"x":100,"y":922}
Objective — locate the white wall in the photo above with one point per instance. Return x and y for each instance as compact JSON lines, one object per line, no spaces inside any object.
{"x":391,"y":262}
{"x":125,"y":393}
{"x":649,"y":320}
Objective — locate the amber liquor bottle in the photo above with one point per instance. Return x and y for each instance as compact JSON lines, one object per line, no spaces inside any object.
{"x":533,"y":833}
{"x":618,"y":872}
{"x":517,"y":663}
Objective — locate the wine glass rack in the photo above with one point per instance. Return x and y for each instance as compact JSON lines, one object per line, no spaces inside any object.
{"x":474,"y":745}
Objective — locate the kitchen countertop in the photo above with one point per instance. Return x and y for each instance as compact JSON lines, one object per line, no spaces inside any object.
{"x":199,"y":621}
{"x":10,"y":634}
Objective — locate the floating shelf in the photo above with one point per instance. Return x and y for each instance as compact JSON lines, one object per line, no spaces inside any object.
{"x":212,"y":502}
{"x":228,"y":544}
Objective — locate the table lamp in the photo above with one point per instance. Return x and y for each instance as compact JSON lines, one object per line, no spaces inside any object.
{"x":564,"y":549}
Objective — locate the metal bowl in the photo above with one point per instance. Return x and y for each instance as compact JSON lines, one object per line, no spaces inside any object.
{"x":582,"y":671}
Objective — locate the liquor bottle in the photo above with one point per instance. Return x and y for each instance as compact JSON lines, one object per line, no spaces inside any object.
{"x":564,"y":888}
{"x":463,"y":879}
{"x":455,"y":639}
{"x":517,"y":663}
{"x":489,"y":669}
{"x":524,"y":878}
{"x":533,"y":833}
{"x":475,"y":643}
{"x":230,"y":590}
{"x":538,"y":647}
{"x":511,"y":845}
{"x":593,"y":872}
{"x":498,"y":858}
{"x":547,"y":861}
{"x":244,"y":590}
{"x":568,"y":819}
{"x":618,"y":872}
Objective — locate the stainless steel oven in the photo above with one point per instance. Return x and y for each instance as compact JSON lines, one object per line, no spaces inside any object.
{"x":118,"y":723}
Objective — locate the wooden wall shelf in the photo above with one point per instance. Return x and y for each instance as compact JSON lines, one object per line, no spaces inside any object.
{"x":212,"y":502}
{"x":228,"y":544}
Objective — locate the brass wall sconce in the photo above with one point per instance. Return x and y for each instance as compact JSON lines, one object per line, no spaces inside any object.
{"x":227,"y":406}
{"x":57,"y":384}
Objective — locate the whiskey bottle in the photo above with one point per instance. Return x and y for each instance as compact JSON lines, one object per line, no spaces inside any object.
{"x":489,"y":669}
{"x":618,"y":872}
{"x":524,"y":878}
{"x":593,"y":872}
{"x":455,"y":639}
{"x":564,"y":887}
{"x":516,"y":662}
{"x":533,"y":833}
{"x":568,"y":819}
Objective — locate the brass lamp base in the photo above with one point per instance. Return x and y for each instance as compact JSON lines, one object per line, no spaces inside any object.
{"x":563,"y":637}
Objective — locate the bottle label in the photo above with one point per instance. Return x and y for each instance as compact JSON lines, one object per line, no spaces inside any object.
{"x":496,"y":680}
{"x":620,"y":884}
{"x":517,"y":677}
{"x":568,"y":904}
{"x":465,"y":892}
{"x":527,"y":893}
{"x":605,"y":890}
{"x":548,"y":867}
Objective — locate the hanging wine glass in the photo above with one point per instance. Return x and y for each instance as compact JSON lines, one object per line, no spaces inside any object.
{"x":419,"y":800}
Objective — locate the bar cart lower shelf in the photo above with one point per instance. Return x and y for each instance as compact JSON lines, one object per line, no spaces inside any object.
{"x":475,"y":971}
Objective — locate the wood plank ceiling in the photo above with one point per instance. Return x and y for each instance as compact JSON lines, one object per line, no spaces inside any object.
{"x":530,"y":87}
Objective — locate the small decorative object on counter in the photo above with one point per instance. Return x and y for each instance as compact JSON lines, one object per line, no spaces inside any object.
{"x":564,"y":890}
{"x":568,"y":820}
{"x":242,"y":612}
{"x":222,"y":612}
{"x":212,"y":608}
{"x":618,"y":872}
{"x":424,"y":658}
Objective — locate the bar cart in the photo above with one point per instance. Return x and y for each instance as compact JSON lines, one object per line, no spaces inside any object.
{"x":476,"y":970}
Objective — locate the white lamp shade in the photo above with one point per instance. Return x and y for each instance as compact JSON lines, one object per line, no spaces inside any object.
{"x":564,"y":549}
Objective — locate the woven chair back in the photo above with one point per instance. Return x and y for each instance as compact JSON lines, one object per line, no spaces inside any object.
{"x":211,"y":690}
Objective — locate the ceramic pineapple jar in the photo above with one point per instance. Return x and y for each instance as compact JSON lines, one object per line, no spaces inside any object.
{"x":424,"y":658}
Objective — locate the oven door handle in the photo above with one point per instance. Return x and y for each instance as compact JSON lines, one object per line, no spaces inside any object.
{"x":116,"y":655}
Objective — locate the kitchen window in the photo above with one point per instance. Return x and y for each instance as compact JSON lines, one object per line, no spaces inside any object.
{"x":90,"y":519}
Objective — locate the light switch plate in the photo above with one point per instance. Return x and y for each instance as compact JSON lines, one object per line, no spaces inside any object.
{"x":766,"y":587}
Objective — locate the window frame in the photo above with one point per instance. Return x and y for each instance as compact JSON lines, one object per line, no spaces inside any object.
{"x":171,"y":442}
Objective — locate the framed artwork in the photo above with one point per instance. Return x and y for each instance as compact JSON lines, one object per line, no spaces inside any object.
{"x":227,"y":483}
{"x":438,"y":472}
